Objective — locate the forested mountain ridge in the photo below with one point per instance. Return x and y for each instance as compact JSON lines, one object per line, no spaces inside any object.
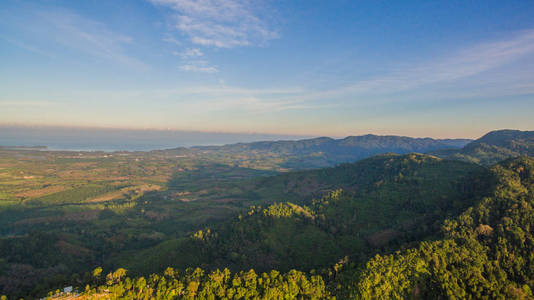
{"x":493,"y":147}
{"x":377,"y":203}
{"x":485,"y":252}
{"x":324,"y":151}
{"x":370,"y":142}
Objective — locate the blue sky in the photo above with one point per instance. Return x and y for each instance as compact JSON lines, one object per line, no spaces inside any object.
{"x":336,"y":68}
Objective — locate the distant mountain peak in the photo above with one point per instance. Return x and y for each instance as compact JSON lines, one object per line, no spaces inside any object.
{"x":494,"y":146}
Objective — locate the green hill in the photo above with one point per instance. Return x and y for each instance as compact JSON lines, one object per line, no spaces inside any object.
{"x":377,"y":204}
{"x":485,"y":252}
{"x":493,"y":147}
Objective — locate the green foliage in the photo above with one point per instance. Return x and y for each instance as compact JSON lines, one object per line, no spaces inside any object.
{"x":287,"y":210}
{"x":494,"y":147}
{"x":97,"y":273}
{"x":487,"y":251}
{"x":199,"y":284}
{"x":386,"y":202}
{"x":202,"y":235}
{"x":484,"y":252}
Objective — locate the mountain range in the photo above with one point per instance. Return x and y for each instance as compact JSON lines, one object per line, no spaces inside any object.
{"x":324,"y":152}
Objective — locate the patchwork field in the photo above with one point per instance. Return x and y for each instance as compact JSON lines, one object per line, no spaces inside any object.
{"x":94,"y":206}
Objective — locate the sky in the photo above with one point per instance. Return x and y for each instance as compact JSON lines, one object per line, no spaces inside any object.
{"x":317,"y":68}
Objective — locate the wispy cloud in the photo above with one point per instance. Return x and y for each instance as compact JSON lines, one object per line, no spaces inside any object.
{"x":203,"y":98}
{"x":27,"y":47}
{"x":217,"y":92}
{"x":218,"y":23}
{"x":198,"y":66}
{"x":461,"y":68}
{"x":256,"y":101}
{"x":88,"y":36}
{"x":192,"y":63}
{"x":236,"y":91}
{"x":189,"y":53}
{"x":251,"y":104}
{"x":49,"y":32}
{"x":171,"y":40}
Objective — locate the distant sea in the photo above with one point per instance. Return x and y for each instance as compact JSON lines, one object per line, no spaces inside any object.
{"x":89,"y":139}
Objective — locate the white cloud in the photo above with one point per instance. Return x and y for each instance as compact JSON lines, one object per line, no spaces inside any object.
{"x":90,"y":37}
{"x":468,"y":62}
{"x":52,"y":31}
{"x":200,"y":69}
{"x":27,"y":47}
{"x":223,"y":90}
{"x":203,"y":98}
{"x":218,"y":23}
{"x":189,"y":53}
{"x":467,"y":68}
{"x":171,"y":40}
{"x":248,"y":104}
{"x":200,"y":66}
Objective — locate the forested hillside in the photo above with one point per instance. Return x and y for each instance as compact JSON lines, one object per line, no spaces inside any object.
{"x":484,"y":252}
{"x":377,"y":204}
{"x":493,"y":147}
{"x":324,"y":152}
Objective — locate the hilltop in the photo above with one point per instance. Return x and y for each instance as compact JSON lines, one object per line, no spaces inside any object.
{"x":493,"y":147}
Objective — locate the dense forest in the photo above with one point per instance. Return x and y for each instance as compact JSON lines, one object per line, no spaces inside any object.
{"x":379,"y":203}
{"x":237,"y":225}
{"x":484,"y":252}
{"x":493,"y":147}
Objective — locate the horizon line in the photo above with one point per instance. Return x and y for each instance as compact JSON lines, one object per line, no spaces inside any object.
{"x":200,"y":131}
